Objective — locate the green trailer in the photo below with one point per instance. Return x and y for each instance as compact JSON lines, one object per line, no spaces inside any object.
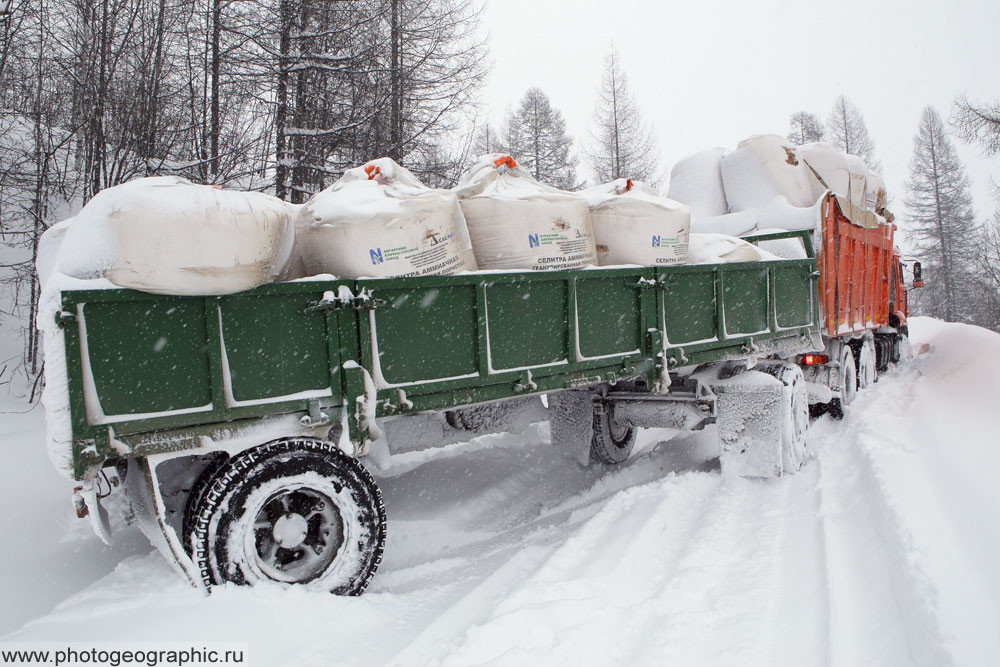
{"x":237,"y":423}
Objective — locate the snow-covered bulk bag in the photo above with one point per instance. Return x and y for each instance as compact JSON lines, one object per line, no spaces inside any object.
{"x":723,"y":249}
{"x":48,"y":250}
{"x":169,"y":236}
{"x":762,"y":168}
{"x":697,"y":181}
{"x":827,"y":167}
{"x":844,"y":174}
{"x":634,"y":225}
{"x":518,"y":223}
{"x":379,"y":221}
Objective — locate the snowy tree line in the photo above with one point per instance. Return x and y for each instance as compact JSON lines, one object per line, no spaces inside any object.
{"x":959,"y":251}
{"x":277,"y":95}
{"x":273,"y":95}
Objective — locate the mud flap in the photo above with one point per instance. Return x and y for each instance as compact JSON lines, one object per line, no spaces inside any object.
{"x":749,"y":417}
{"x":571,"y":417}
{"x":142,"y":490}
{"x":89,"y":504}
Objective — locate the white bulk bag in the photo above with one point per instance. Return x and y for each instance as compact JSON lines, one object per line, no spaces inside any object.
{"x":169,"y":236}
{"x":634,"y":225}
{"x":697,"y":181}
{"x":380,"y":221}
{"x":518,"y":223}
{"x":761,"y":168}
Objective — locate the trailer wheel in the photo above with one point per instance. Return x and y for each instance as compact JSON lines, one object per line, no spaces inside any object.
{"x":612,"y":440}
{"x":293,"y":511}
{"x":848,"y":383}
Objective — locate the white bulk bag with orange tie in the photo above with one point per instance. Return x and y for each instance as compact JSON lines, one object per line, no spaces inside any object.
{"x":515,"y":222}
{"x":379,"y":221}
{"x":634,"y":225}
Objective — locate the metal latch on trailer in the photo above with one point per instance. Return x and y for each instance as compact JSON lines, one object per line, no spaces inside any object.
{"x":329,"y":302}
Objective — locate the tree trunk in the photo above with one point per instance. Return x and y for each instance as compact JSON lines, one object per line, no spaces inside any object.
{"x":214,"y":122}
{"x":281,"y":113}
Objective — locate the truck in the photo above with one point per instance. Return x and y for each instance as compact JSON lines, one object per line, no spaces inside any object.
{"x":236,"y":426}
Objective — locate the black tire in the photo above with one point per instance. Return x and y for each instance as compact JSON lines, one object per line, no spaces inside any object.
{"x":198,"y":490}
{"x":848,"y":384}
{"x":295,"y":511}
{"x":612,"y":442}
{"x":794,"y":414}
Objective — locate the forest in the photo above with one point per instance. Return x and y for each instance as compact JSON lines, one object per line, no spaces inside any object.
{"x":283,"y":96}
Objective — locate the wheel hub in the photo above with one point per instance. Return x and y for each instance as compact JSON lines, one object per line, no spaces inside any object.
{"x":290,"y":530}
{"x":297,"y":534}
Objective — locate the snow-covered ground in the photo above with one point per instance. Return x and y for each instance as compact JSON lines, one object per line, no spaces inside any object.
{"x":883,"y":550}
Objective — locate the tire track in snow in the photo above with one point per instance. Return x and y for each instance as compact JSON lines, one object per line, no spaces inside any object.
{"x":874,"y":578}
{"x":691,"y":586}
{"x":801,"y":614}
{"x":574,"y":575}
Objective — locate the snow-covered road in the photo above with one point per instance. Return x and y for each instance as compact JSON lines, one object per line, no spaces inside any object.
{"x":883,"y":550}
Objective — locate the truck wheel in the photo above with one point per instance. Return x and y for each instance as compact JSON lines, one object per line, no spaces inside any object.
{"x":848,"y":383}
{"x":867,"y":370}
{"x":294,"y":511}
{"x":612,"y":441}
{"x":792,"y":414}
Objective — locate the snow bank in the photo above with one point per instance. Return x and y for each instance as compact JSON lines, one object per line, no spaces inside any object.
{"x":723,"y":249}
{"x":169,"y":236}
{"x":378,"y":220}
{"x":518,"y":223}
{"x":634,"y":225}
{"x":697,"y":181}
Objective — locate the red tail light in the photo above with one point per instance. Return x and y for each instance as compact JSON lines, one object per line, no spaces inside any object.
{"x":814,"y":359}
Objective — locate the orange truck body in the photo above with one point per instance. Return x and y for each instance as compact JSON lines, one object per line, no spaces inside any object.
{"x":861,"y":281}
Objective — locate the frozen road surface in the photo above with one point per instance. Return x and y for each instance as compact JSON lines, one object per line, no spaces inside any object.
{"x":883,"y":550}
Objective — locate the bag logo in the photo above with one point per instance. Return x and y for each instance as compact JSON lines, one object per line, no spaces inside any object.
{"x":533,"y":241}
{"x":376,"y":254}
{"x":656,"y":241}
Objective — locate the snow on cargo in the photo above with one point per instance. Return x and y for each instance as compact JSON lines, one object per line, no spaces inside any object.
{"x":777,"y":214}
{"x":48,"y":250}
{"x":634,"y":225}
{"x":762,"y":168}
{"x":167,"y":235}
{"x":697,"y":181}
{"x":518,"y":223}
{"x":379,"y":221}
{"x":843,"y":174}
{"x":723,"y":249}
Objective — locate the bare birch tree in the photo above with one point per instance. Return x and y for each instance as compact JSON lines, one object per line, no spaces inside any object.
{"x":805,"y":128}
{"x":977,"y":123}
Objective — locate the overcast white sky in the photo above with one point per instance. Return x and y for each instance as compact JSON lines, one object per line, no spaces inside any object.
{"x":712,"y":72}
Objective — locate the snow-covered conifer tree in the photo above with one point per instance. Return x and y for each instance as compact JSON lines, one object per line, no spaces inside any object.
{"x":941,"y":222}
{"x":536,"y":134}
{"x":846,"y":130}
{"x":622,"y":145}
